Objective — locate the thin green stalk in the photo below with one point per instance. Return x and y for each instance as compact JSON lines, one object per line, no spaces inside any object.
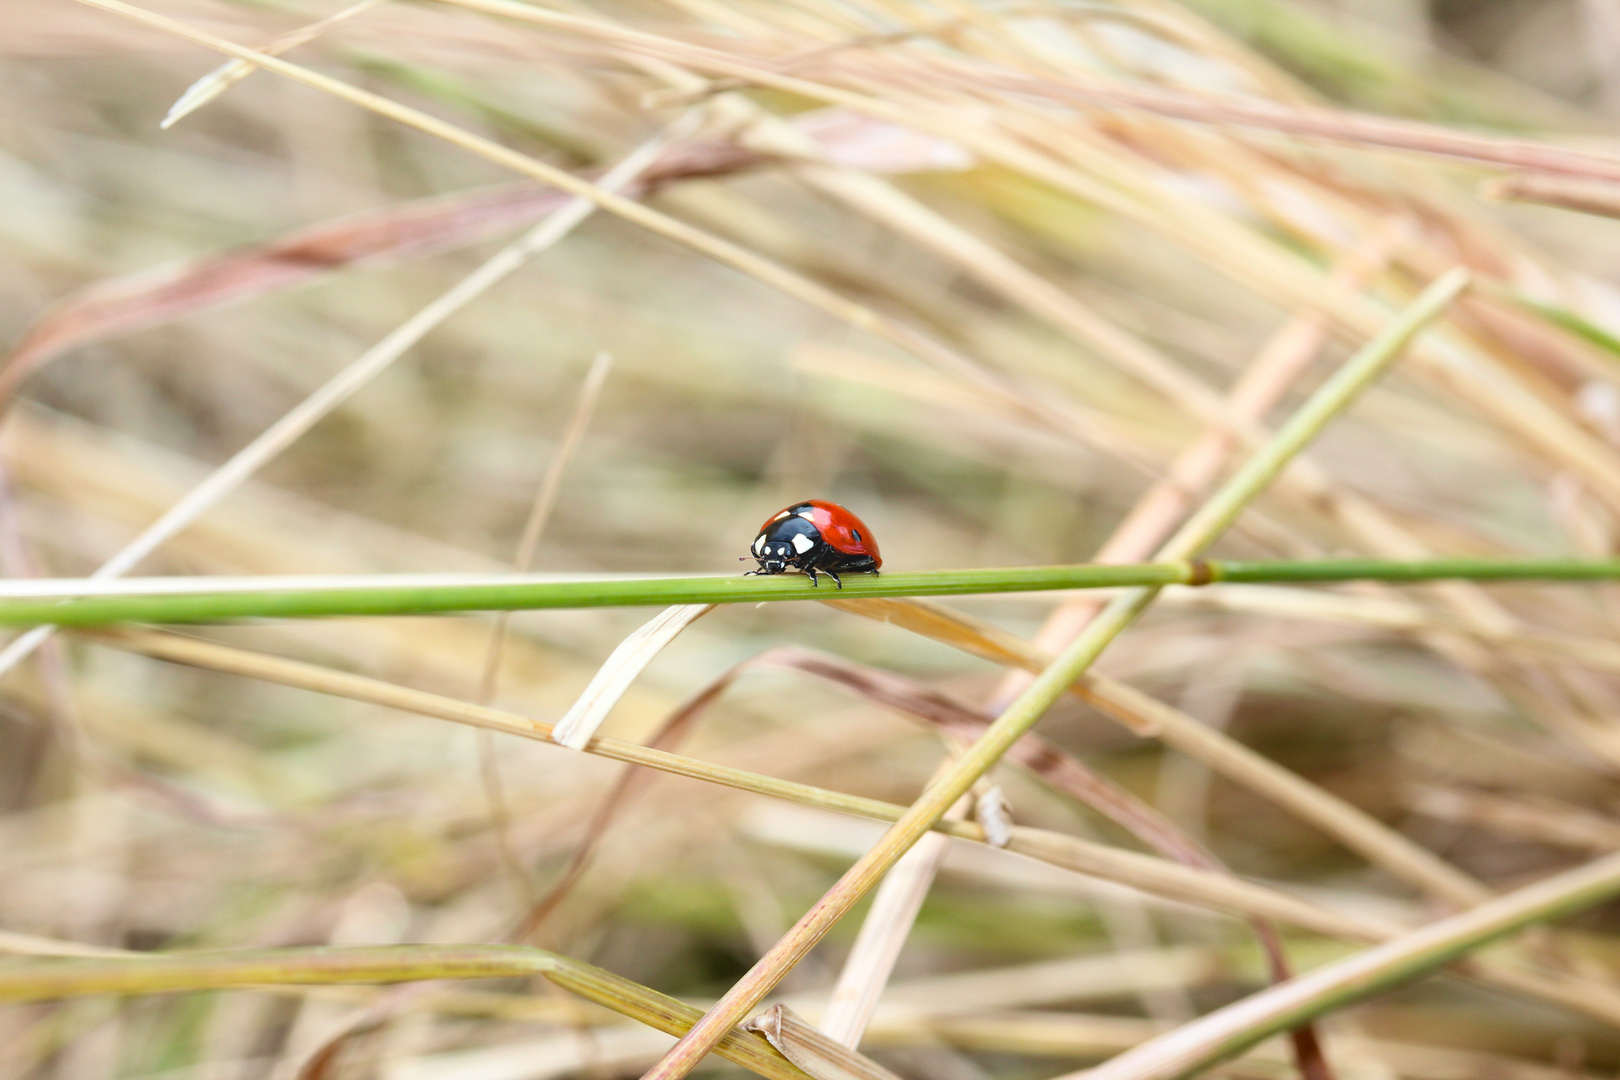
{"x":159,"y":973}
{"x":82,"y":602}
{"x":1199,"y":531}
{"x":1396,"y":571}
{"x":1227,"y":1032}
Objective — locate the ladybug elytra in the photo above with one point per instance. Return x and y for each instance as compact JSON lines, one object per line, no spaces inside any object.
{"x":816,"y":537}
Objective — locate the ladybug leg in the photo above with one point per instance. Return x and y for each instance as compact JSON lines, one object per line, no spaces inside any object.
{"x":823,"y":561}
{"x":810,"y":569}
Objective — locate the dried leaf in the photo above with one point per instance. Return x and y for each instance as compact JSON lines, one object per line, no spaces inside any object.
{"x":123,"y":305}
{"x":614,"y":677}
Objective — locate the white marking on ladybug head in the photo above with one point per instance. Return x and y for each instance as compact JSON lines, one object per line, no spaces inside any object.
{"x":802,"y":543}
{"x":759,"y":545}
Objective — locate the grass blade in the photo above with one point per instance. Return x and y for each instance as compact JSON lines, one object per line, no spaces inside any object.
{"x":634,"y":653}
{"x":1233,"y":1029}
{"x":94,"y":602}
{"x":160,"y":973}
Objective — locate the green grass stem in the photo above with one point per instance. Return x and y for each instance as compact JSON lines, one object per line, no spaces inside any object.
{"x":82,"y":602}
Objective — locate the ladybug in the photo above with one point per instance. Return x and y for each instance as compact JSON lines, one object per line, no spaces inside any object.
{"x":816,"y":536}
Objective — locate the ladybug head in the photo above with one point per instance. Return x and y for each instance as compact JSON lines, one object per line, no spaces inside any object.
{"x":773,"y":556}
{"x":784,"y":542}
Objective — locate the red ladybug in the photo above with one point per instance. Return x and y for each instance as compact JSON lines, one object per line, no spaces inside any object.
{"x":816,"y":536}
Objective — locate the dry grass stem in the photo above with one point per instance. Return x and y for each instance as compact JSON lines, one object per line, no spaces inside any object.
{"x":545,"y":501}
{"x":895,"y":904}
{"x":230,"y":73}
{"x":1229,"y":1031}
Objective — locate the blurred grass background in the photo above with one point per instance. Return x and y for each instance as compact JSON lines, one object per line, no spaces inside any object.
{"x":145,"y":806}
